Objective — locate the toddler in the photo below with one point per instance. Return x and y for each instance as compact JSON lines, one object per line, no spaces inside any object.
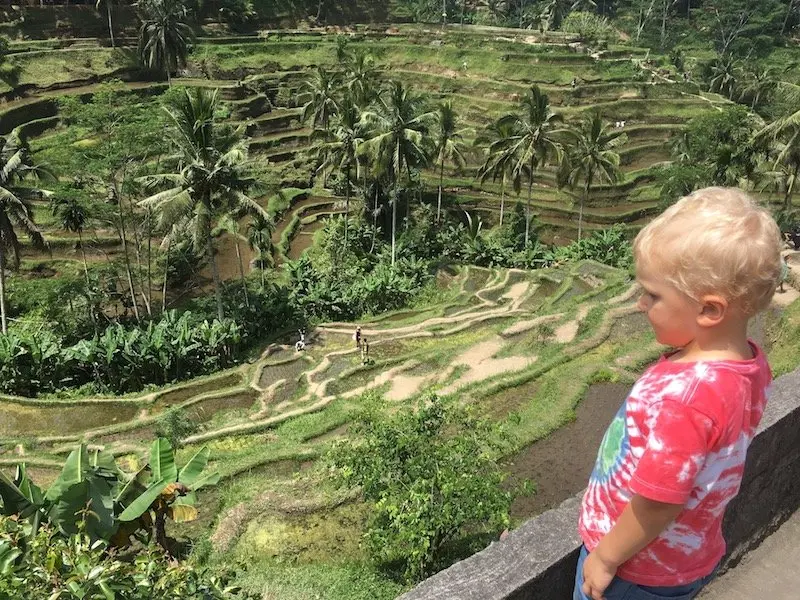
{"x":673,"y":457}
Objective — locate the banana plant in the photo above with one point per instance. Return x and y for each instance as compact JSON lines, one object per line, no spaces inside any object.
{"x":83,"y":490}
{"x":167,"y":492}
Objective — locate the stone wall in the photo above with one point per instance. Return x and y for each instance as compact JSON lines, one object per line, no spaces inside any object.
{"x":537,"y":560}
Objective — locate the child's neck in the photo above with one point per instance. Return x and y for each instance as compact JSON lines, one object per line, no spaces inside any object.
{"x":727,"y":341}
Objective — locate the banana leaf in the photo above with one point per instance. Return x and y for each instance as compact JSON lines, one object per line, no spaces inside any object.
{"x":8,"y":558}
{"x":15,"y":502}
{"x":93,"y":495}
{"x":207,"y":479}
{"x":142,"y":504}
{"x":192,"y":470}
{"x":162,"y":461}
{"x":73,"y":473}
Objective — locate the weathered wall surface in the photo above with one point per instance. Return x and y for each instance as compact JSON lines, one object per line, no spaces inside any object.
{"x":537,"y":560}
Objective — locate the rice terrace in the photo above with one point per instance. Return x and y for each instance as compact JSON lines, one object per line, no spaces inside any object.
{"x":243,"y":241}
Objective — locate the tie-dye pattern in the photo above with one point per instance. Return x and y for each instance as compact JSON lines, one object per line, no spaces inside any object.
{"x":680,"y":437}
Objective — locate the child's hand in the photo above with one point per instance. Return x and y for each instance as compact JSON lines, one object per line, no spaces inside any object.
{"x":597,"y":576}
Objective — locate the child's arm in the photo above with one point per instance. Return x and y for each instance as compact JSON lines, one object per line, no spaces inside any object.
{"x":638,"y":525}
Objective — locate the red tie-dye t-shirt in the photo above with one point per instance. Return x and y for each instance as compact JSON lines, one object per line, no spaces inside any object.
{"x":680,"y":437}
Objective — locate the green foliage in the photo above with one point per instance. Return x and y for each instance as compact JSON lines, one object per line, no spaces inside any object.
{"x":721,"y":143}
{"x":87,"y":481}
{"x":147,"y":501}
{"x":164,"y":36}
{"x":47,"y":564}
{"x":175,"y":425}
{"x":92,"y":495}
{"x":429,"y":474}
{"x":590,"y":27}
{"x":119,"y":359}
{"x":328,"y":285}
{"x":610,"y":246}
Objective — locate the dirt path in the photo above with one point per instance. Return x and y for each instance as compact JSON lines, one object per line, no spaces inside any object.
{"x":561,"y":463}
{"x":567,"y":332}
{"x":481,"y":364}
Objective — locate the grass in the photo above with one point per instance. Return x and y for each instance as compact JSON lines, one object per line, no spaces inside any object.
{"x":784,"y":355}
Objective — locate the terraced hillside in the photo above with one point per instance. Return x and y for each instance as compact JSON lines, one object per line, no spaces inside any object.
{"x":482,"y":70}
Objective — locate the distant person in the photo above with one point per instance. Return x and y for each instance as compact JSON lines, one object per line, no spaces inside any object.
{"x":300,"y":345}
{"x":357,"y":337}
{"x":674,"y":455}
{"x":364,"y":351}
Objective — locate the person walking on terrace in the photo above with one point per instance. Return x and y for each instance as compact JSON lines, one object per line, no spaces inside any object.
{"x":673,"y":457}
{"x":364,"y":351}
{"x":357,"y":337}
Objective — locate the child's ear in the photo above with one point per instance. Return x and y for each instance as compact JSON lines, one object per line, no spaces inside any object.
{"x":712,"y":310}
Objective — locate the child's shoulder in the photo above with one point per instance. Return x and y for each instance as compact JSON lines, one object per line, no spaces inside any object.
{"x":699,"y":381}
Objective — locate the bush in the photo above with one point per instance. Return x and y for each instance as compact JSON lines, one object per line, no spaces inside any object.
{"x":429,"y":474}
{"x":589,"y":27}
{"x":49,"y":565}
{"x":120,"y":359}
{"x":610,"y":247}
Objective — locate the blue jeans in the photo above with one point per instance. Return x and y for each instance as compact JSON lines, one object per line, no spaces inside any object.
{"x":619,"y":589}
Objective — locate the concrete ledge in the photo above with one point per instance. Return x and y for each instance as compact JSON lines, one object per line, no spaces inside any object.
{"x":537,"y":560}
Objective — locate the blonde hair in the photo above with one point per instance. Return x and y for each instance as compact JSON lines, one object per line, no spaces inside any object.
{"x":715,"y":241}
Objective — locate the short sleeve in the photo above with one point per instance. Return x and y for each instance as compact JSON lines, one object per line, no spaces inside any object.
{"x":679,"y":441}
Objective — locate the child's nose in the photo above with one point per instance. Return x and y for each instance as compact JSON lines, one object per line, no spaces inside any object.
{"x":642,"y":304}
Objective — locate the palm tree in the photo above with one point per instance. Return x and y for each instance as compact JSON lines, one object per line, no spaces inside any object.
{"x":759,"y":82}
{"x":16,"y":213}
{"x":229,"y":224}
{"x":724,"y":76}
{"x":362,"y":78}
{"x":533,"y":141}
{"x":164,"y":36}
{"x":398,"y":136}
{"x":108,"y":4}
{"x":591,"y":157}
{"x":342,"y":149}
{"x":498,"y":161}
{"x":259,"y":238}
{"x":72,"y":216}
{"x":555,"y":11}
{"x":448,"y":144}
{"x":323,"y":86}
{"x":208,"y":181}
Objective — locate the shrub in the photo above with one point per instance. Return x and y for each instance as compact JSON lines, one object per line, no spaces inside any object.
{"x":589,"y":26}
{"x":429,"y":474}
{"x":49,"y":565}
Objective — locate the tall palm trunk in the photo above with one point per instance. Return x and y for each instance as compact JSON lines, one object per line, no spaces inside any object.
{"x":241,"y":274}
{"x":346,"y":202}
{"x":166,"y":271}
{"x":394,"y":218}
{"x":441,"y":183}
{"x":3,"y":290}
{"x":787,"y":199}
{"x":214,"y":275}
{"x":502,"y":198}
{"x":127,"y":256}
{"x":110,"y":28}
{"x":139,"y":271}
{"x":88,"y":283}
{"x":374,"y":220}
{"x":149,"y":261}
{"x":528,"y":204}
{"x":584,"y":198}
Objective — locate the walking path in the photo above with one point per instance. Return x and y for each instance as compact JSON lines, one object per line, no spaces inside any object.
{"x":769,"y":572}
